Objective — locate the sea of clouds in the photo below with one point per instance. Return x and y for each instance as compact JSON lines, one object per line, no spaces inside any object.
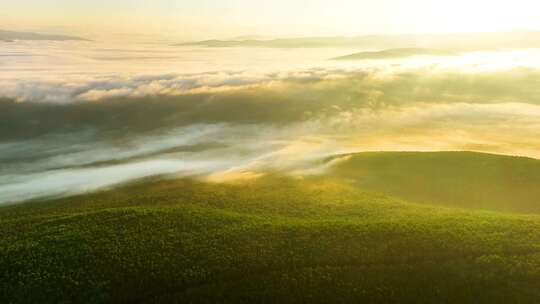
{"x":81,"y":116}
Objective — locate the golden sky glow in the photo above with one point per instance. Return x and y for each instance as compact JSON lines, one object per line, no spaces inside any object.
{"x":225,"y":18}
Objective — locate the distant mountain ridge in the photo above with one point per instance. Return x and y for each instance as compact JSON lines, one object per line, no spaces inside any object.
{"x":8,"y":36}
{"x":465,"y":41}
{"x":397,"y":53}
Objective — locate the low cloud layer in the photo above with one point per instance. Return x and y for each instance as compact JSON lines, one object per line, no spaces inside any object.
{"x":62,"y":134}
{"x":147,"y":104}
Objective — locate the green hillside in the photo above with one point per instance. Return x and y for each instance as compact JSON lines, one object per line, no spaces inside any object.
{"x":456,"y":179}
{"x":272,"y":240}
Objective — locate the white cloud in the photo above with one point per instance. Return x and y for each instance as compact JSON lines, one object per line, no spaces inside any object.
{"x":488,"y":102}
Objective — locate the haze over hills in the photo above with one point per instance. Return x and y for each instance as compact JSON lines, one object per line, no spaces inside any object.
{"x":63,"y":132}
{"x":12,"y":35}
{"x":462,"y":41}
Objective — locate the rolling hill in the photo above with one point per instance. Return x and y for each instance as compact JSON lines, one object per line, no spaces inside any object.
{"x":279,"y":239}
{"x":455,"y":179}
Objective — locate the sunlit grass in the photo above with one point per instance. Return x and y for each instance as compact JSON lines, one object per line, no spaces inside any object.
{"x":271,"y":239}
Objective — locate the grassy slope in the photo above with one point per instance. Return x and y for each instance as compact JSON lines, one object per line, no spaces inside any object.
{"x":456,"y":179}
{"x":272,"y":240}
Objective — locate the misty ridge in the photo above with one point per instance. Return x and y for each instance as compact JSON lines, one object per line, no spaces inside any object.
{"x":9,"y":36}
{"x":397,"y":53}
{"x":452,"y":41}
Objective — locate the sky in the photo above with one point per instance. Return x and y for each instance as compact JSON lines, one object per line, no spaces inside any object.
{"x":202,"y":19}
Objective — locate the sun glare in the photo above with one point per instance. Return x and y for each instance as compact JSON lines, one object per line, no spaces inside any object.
{"x":481,"y":16}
